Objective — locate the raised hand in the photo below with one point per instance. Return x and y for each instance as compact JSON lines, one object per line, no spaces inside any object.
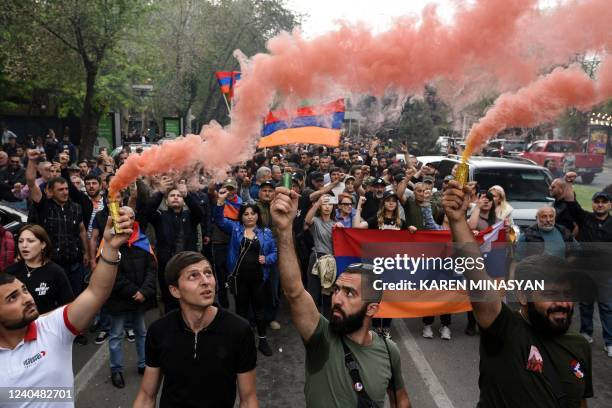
{"x":455,"y":201}
{"x":284,"y":208}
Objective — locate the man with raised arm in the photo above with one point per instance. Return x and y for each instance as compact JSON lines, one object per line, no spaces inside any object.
{"x":36,"y":351}
{"x":527,"y":358}
{"x":344,"y":341}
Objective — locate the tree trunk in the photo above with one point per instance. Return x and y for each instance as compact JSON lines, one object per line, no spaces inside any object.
{"x":90,"y":117}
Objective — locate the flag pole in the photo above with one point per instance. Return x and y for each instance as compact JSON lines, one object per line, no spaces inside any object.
{"x":229,"y":110}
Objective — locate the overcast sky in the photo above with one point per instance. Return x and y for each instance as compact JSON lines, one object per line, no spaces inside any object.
{"x":321,"y":15}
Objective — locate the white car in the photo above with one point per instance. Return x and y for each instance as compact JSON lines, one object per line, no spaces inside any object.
{"x":526,"y":184}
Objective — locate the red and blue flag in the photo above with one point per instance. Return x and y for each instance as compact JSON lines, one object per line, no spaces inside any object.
{"x":319,"y":124}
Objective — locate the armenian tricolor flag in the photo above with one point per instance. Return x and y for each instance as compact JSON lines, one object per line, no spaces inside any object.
{"x":227,"y":81}
{"x":349,"y":246}
{"x":310,"y":124}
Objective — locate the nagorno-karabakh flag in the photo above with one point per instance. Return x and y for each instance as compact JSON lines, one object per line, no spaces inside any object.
{"x":350,"y":245}
{"x":310,"y":125}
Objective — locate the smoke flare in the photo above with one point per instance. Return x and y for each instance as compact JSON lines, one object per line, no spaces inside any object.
{"x":498,"y":37}
{"x":540,"y":101}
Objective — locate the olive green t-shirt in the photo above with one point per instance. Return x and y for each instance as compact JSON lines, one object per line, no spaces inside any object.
{"x":511,"y":365}
{"x":328,"y":383}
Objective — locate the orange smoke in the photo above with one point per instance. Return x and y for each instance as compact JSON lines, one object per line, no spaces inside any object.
{"x":541,"y":101}
{"x":485,"y":38}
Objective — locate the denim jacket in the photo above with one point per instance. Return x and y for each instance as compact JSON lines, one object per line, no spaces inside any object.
{"x":236,"y":231}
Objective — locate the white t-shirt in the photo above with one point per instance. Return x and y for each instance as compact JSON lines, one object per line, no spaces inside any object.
{"x":42,"y":359}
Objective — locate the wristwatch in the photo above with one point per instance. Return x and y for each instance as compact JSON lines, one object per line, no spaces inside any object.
{"x":113,"y":263}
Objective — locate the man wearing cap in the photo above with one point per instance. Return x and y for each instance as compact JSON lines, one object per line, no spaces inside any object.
{"x":347,"y":365}
{"x":373,"y":199}
{"x":597,"y":227}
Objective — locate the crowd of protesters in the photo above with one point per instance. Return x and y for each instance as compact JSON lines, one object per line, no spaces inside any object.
{"x":227,"y":229}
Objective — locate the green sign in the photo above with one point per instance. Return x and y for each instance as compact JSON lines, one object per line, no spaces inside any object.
{"x":105,"y":134}
{"x":172,"y":127}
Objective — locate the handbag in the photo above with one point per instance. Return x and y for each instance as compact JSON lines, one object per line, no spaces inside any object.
{"x":325,"y":268}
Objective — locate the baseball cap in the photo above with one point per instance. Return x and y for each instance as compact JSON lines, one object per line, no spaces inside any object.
{"x":230,"y":182}
{"x":266,"y":183}
{"x":297,"y":176}
{"x":379,"y":181}
{"x":600,"y":194}
{"x":389,"y":193}
{"x":428,"y":179}
{"x":449,"y":178}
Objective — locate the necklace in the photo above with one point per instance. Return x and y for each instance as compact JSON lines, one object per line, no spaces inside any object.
{"x":30,"y":270}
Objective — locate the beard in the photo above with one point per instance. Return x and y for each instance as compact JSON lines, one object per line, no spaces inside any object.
{"x":347,"y":324}
{"x":546,"y":228}
{"x":543,"y":324}
{"x":26,"y":319}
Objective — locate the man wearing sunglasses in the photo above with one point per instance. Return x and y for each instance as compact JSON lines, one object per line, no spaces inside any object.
{"x":347,"y":365}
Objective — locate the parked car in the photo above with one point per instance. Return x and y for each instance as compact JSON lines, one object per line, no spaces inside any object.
{"x":565,"y":155}
{"x":135,"y":147}
{"x":526,"y":184}
{"x":444,"y":141}
{"x":504,"y":147}
{"x":11,"y":218}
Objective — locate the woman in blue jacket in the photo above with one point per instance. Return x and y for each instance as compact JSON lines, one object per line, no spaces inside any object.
{"x":251,"y":253}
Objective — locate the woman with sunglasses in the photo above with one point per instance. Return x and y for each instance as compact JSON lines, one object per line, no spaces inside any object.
{"x":44,"y":279}
{"x":345,"y":212}
{"x":251,"y":253}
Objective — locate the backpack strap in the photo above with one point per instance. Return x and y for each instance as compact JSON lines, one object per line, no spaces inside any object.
{"x":353,"y":369}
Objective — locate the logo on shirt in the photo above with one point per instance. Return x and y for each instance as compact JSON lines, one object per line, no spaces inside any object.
{"x":576,"y":369}
{"x":31,"y":360}
{"x":42,"y":289}
{"x":535,"y":362}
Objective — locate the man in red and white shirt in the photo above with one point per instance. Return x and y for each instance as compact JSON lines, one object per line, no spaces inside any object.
{"x":36,"y":351}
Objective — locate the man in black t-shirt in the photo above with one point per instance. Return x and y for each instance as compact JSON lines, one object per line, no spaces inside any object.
{"x":201,"y":351}
{"x":527,"y":358}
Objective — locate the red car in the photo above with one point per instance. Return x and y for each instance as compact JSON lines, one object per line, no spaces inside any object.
{"x":563,"y":156}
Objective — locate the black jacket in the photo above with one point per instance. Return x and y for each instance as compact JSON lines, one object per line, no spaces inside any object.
{"x":594,"y":230}
{"x":170,"y":226}
{"x":137,"y":272}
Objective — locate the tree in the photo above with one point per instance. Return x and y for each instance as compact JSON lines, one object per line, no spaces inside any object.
{"x":84,"y":34}
{"x":424,"y":119}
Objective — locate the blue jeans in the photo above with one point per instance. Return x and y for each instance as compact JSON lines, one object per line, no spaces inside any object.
{"x":605,"y":314}
{"x":116,"y":334}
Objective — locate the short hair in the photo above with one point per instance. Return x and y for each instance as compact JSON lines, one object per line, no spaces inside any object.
{"x":368,"y":277}
{"x":262,"y":172}
{"x":92,"y":177}
{"x":546,"y":207}
{"x":83,"y":161}
{"x":55,"y":180}
{"x":41,"y":234}
{"x":543,"y":267}
{"x":255,"y":209}
{"x":179,"y":262}
{"x":6,"y":278}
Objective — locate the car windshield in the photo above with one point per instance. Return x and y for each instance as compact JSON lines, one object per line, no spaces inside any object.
{"x":519,"y":184}
{"x":514,"y":145}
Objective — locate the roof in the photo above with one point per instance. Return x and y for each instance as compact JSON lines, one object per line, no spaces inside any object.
{"x":485,"y":162}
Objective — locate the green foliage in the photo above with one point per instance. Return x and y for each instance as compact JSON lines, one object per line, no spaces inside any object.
{"x":423,"y":120}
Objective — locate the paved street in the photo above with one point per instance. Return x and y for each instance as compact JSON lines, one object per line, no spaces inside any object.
{"x":438,"y":374}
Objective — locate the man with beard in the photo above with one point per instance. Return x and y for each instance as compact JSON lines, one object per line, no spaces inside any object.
{"x":37,"y":351}
{"x":545,"y":236}
{"x":346,"y":341}
{"x":527,"y":358}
